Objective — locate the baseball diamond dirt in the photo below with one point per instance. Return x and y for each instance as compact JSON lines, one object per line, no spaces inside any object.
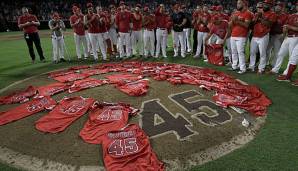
{"x":186,"y":128}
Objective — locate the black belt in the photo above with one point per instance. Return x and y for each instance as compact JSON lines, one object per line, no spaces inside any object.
{"x":161,"y":28}
{"x":292,"y":35}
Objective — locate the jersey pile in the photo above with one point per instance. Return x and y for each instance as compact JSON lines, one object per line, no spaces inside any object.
{"x":136,"y":88}
{"x":52,"y":89}
{"x":85,"y":84}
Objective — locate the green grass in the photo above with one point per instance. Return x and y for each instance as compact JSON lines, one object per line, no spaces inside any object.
{"x":274,"y":148}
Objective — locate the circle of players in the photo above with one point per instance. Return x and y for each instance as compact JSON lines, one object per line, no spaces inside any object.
{"x":144,"y":31}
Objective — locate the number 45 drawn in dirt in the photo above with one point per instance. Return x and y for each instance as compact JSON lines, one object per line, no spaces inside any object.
{"x":156,"y":120}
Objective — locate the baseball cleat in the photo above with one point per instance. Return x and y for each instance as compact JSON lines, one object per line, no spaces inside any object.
{"x":283,"y":78}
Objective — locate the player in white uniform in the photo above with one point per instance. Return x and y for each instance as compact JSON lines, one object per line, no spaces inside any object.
{"x":112,"y":30}
{"x":56,"y":25}
{"x":149,"y":26}
{"x":291,"y":30}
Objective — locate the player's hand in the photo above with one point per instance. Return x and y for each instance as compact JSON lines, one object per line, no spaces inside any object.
{"x":285,"y":28}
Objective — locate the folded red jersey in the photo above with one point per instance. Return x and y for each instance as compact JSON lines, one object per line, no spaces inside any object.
{"x":215,"y":54}
{"x":64,"y":114}
{"x":123,"y":78}
{"x":104,"y":118}
{"x":85,"y":84}
{"x":136,"y":88}
{"x":18,"y":97}
{"x":52,"y":89}
{"x":70,"y":77}
{"x":36,"y":105}
{"x":129,"y":149}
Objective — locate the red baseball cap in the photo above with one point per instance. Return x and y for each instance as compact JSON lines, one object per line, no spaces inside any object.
{"x":89,"y":5}
{"x":214,"y":8}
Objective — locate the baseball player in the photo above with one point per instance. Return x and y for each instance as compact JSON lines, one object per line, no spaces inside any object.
{"x":162,"y":23}
{"x":28,"y":23}
{"x":292,"y":29}
{"x":262,"y":22}
{"x":187,"y":29}
{"x":123,"y":19}
{"x":104,"y":41}
{"x":202,"y":26}
{"x":179,"y":20}
{"x":291,"y":40}
{"x":112,"y":30}
{"x":149,"y":37}
{"x":195,"y":14}
{"x":77,"y":23}
{"x":292,"y":67}
{"x":276,"y":36}
{"x":56,"y":25}
{"x":91,"y":20}
{"x":240,"y":21}
{"x":137,"y":34}
{"x":218,"y":29}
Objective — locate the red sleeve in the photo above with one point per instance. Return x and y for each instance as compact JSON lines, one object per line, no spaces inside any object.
{"x":34,"y":18}
{"x":117,"y":19}
{"x":20,"y":21}
{"x":71,"y":20}
{"x":157,"y":11}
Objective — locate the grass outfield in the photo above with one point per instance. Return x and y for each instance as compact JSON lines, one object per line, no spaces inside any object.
{"x":274,"y":148}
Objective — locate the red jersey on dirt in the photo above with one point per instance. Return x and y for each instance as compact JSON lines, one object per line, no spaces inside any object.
{"x":34,"y":106}
{"x":18,"y":97}
{"x":51,"y":89}
{"x":64,"y":114}
{"x":85,"y":84}
{"x":70,"y":77}
{"x":136,"y":88}
{"x":129,"y":149}
{"x":104,"y":118}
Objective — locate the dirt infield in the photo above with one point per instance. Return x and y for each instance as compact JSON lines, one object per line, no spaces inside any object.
{"x":209,"y":131}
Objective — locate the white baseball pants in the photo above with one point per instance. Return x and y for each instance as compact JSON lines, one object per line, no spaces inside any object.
{"x":187,"y":44}
{"x":124,"y":39}
{"x":149,"y":40}
{"x":201,"y":41}
{"x":178,"y":39}
{"x":274,"y":45}
{"x":81,"y":40}
{"x":260,"y":44}
{"x":238,"y":52}
{"x":137,"y":42}
{"x":97,"y":39}
{"x":162,"y":39}
{"x":58,"y":47}
{"x":286,"y":49}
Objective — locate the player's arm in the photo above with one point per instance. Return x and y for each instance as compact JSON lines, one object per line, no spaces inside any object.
{"x":183,"y":22}
{"x":291,"y":27}
{"x":72,"y":24}
{"x":245,"y":23}
{"x":85,"y":20}
{"x":35,"y":22}
{"x":207,"y":38}
{"x":62,"y":25}
{"x":22,"y":25}
{"x":266,"y":22}
{"x":51,"y":25}
{"x":228,"y":34}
